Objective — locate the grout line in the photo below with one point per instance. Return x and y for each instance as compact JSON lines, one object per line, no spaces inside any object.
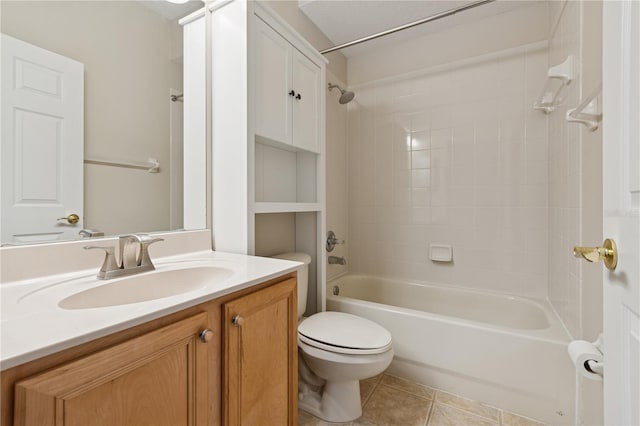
{"x":433,"y":403}
{"x":368,"y":397}
{"x":472,"y":413}
{"x":409,"y":392}
{"x":529,"y":419}
{"x":433,"y":390}
{"x":499,"y":420}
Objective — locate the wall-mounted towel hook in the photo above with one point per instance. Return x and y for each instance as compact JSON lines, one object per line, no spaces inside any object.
{"x":558,"y":77}
{"x":588,"y":112}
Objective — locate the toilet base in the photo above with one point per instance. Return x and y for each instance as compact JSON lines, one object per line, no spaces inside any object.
{"x":337,"y":402}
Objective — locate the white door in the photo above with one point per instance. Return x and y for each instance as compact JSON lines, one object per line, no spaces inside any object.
{"x":306,"y":103}
{"x":621,"y":186}
{"x":42,"y":143}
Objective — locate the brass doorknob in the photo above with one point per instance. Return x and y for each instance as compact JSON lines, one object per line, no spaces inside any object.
{"x":607,"y":253}
{"x":72,"y":219}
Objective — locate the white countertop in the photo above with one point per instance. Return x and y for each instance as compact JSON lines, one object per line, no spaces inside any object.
{"x":32,"y":325}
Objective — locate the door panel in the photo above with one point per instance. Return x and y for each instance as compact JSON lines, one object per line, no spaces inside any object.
{"x":128,"y":399}
{"x":621,"y":210}
{"x":272,"y":76}
{"x":160,"y":378}
{"x":260,"y":352}
{"x":306,"y":110}
{"x":42,"y":143}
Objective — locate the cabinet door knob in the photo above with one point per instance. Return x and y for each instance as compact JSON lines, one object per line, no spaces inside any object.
{"x":292,"y":93}
{"x":298,"y":97}
{"x":205,"y":335}
{"x":237,"y":320}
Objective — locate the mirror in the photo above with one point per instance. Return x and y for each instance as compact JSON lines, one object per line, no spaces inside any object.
{"x":92,"y":118}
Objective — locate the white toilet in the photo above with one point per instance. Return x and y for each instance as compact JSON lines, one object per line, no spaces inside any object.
{"x":336,"y":351}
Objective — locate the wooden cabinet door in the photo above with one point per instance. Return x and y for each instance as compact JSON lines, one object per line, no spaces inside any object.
{"x":260,"y":364}
{"x":160,"y":378}
{"x":306,"y":103}
{"x":272,"y":84}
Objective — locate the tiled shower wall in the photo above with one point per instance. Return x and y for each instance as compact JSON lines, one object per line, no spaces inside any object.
{"x":575,"y":173}
{"x":575,"y":188}
{"x":453,"y":155}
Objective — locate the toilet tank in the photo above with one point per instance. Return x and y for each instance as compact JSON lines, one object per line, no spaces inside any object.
{"x":303,"y":277}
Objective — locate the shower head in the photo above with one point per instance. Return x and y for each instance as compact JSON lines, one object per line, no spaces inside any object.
{"x":345,"y":96}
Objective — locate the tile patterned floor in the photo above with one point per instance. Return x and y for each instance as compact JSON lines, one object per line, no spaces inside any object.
{"x":392,"y":401}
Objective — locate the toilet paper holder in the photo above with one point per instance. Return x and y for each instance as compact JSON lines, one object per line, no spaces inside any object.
{"x":588,"y":358}
{"x":594,"y":367}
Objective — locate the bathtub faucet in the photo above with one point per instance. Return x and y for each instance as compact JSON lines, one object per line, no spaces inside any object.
{"x":335,"y":260}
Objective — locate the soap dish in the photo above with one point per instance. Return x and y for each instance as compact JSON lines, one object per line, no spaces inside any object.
{"x":440,"y":253}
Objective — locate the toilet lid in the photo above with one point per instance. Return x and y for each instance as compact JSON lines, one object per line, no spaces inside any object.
{"x":344,"y":333}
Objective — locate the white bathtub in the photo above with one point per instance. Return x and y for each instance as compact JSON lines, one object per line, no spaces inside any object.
{"x":509,"y":352}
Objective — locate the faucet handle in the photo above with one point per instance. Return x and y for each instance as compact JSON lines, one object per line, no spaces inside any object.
{"x":332,"y":241}
{"x":148,"y":239}
{"x":109,"y":264}
{"x":145,"y":242}
{"x":129,"y":253}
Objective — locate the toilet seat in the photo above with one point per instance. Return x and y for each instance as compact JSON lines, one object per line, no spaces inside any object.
{"x":344,"y":333}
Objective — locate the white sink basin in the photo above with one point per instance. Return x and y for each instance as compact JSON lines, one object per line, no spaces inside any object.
{"x":145,"y":287}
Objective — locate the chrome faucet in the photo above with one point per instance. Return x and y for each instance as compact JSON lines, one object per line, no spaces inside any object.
{"x":335,"y":260}
{"x":133,"y":256}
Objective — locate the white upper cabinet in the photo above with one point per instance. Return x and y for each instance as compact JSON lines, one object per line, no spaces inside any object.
{"x":273,"y":86}
{"x":287,"y":91}
{"x":306,"y":103}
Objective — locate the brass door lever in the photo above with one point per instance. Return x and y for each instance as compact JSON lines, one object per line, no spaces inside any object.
{"x":72,"y":219}
{"x":608,"y":253}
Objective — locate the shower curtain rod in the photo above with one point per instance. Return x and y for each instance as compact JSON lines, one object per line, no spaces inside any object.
{"x":409,"y":25}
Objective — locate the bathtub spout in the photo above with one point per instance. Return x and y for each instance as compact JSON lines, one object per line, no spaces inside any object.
{"x":335,"y":260}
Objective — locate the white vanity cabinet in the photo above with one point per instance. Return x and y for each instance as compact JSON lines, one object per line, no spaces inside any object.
{"x":286,"y":91}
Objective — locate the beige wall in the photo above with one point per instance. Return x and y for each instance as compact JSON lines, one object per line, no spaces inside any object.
{"x":575,"y":188}
{"x":289,"y":11}
{"x":130,"y":65}
{"x":275,"y":234}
